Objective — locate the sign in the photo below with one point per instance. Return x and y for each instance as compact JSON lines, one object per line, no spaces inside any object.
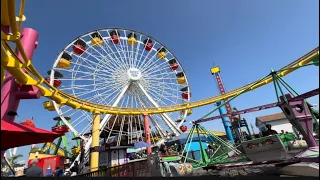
{"x":99,"y":148}
{"x":104,"y":159}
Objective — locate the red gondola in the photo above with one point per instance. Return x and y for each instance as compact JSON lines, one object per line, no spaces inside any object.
{"x":56,"y":82}
{"x":79,"y":47}
{"x":183,"y":128}
{"x":186,"y":95}
{"x":174,"y":67}
{"x":115,"y":37}
{"x":148,"y":44}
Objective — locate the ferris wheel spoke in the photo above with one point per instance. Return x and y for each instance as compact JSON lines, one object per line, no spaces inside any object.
{"x":163,"y":97}
{"x":83,"y":60}
{"x":157,"y":126}
{"x":122,"y":55}
{"x":122,"y":60}
{"x":84,"y":74}
{"x":118,"y":63}
{"x":102,"y":98}
{"x":113,"y":98}
{"x":167,"y":88}
{"x":155,"y":78}
{"x":80,"y":119}
{"x":161,"y":74}
{"x":87,"y":61}
{"x":132,"y":55}
{"x":164,"y":94}
{"x":86,"y":129}
{"x":143,"y":61}
{"x":152,"y":60}
{"x":80,"y":86}
{"x":159,"y":68}
{"x":78,"y":94}
{"x":152,"y":57}
{"x":137,"y":52}
{"x":115,"y":120}
{"x":137,"y":105}
{"x":122,"y":125}
{"x":99,"y":60}
{"x":158,"y":82}
{"x":156,"y":65}
{"x":105,"y":72}
{"x":126,"y":53}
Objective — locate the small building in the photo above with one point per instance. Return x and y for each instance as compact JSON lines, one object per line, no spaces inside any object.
{"x":278,"y":122}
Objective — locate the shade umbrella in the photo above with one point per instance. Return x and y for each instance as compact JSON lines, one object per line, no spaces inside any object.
{"x":15,"y":135}
{"x":141,"y":144}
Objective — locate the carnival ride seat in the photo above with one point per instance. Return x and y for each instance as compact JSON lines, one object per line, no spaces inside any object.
{"x":269,"y":148}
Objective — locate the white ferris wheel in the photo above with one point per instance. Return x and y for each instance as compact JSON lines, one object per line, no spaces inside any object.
{"x":122,"y":68}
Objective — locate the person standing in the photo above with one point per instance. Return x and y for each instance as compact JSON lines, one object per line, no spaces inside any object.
{"x":270,"y":131}
{"x":34,"y":170}
{"x":59,"y":172}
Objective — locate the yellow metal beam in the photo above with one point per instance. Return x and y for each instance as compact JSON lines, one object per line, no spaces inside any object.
{"x":4,"y":13}
{"x":94,"y":159}
{"x":3,"y":74}
{"x":53,"y":147}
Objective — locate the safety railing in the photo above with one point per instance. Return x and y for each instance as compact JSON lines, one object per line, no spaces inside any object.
{"x":132,"y":169}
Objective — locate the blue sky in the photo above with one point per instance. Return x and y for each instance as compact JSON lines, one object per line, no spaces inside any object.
{"x":245,"y":38}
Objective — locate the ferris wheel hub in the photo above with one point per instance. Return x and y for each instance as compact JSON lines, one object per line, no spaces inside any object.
{"x":134,"y":74}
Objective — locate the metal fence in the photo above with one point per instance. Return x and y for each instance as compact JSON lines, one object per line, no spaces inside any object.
{"x":133,"y":169}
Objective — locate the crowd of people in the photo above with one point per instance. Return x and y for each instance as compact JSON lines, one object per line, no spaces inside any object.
{"x":35,"y":171}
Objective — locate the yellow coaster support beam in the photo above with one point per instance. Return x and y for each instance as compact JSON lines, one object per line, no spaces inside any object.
{"x":94,"y":159}
{"x":3,"y":74}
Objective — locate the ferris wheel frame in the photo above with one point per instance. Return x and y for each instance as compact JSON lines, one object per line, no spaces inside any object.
{"x":107,"y":38}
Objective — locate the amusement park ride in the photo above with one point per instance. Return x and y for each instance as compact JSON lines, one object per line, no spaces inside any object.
{"x":109,"y":83}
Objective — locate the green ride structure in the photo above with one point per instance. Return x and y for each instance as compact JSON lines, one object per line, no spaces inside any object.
{"x":294,"y":105}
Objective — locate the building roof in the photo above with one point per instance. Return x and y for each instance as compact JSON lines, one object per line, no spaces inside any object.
{"x":271,"y":117}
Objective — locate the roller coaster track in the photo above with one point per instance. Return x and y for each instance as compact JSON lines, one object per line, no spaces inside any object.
{"x":26,"y":74}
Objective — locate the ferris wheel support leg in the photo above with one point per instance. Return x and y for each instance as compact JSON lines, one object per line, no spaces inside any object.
{"x":10,"y":94}
{"x":147,"y":132}
{"x":171,"y":124}
{"x":94,"y":160}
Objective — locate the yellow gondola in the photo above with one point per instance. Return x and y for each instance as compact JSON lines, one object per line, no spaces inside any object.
{"x":49,"y":105}
{"x":96,"y":39}
{"x":189,"y":112}
{"x":132,"y":41}
{"x":162,"y":53}
{"x":64,"y":61}
{"x":75,"y":150}
{"x":181,"y":80}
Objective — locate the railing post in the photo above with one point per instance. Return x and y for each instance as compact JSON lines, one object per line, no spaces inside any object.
{"x":134,"y":169}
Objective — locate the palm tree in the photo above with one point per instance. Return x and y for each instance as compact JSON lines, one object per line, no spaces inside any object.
{"x":13,"y":160}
